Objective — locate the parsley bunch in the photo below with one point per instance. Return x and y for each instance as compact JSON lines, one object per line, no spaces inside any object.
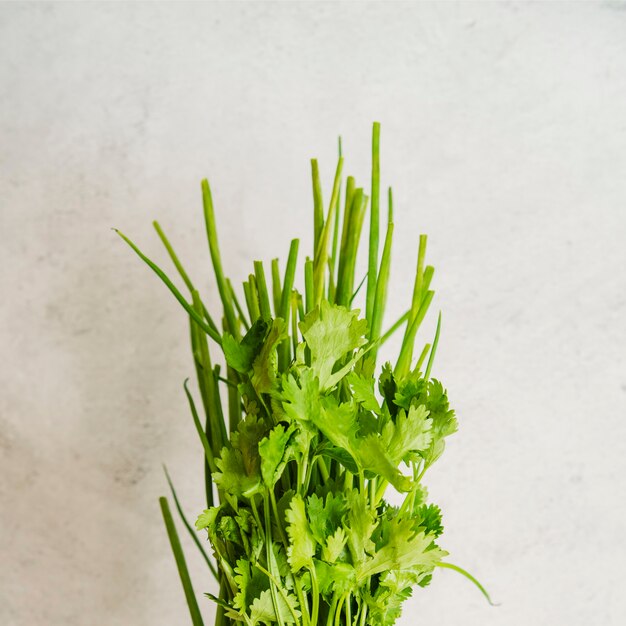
{"x":296,"y":476}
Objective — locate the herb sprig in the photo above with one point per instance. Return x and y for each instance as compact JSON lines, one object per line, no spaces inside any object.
{"x":297,"y":467}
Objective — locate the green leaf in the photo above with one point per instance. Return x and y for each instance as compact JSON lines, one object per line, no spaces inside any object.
{"x":335,"y":545}
{"x":429,"y":518}
{"x":409,"y":433}
{"x":326,"y":515}
{"x":387,"y":387}
{"x":251,"y":583}
{"x":250,"y":431}
{"x":233,"y":477}
{"x":274,"y":454}
{"x":207,"y":518}
{"x":331,"y":332}
{"x":301,"y":398}
{"x":302,"y":543}
{"x":265,"y":365}
{"x":372,"y":454}
{"x":340,"y":455}
{"x":363,"y":392}
{"x":240,"y":355}
{"x":262,"y":609}
{"x":385,"y":606}
{"x":337,"y":578}
{"x":338,"y":423}
{"x":359,"y":526}
{"x":405,"y":549}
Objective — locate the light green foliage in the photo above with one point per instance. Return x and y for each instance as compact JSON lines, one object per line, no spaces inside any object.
{"x":314,"y":434}
{"x":404,"y":548}
{"x":301,"y":397}
{"x":360,"y":524}
{"x":330,"y":333}
{"x":233,"y":477}
{"x":241,"y":355}
{"x":301,"y":542}
{"x":363,"y":392}
{"x":262,"y":610}
{"x":265,"y":365}
{"x":274,"y":454}
{"x":409,"y":433}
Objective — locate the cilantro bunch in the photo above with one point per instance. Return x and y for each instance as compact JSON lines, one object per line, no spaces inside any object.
{"x":302,"y":439}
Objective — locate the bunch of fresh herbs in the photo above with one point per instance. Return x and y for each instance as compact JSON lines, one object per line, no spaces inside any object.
{"x":296,"y":476}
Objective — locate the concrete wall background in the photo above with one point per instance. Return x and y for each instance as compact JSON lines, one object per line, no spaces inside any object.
{"x":504,"y":135}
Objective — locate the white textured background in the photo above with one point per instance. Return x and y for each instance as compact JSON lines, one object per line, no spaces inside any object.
{"x":504,"y":135}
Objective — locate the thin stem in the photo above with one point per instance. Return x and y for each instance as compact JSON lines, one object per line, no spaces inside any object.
{"x":276,"y":286}
{"x":380,"y":298}
{"x":192,"y":532}
{"x":404,"y":360}
{"x":321,"y":252}
{"x":170,"y":285}
{"x":431,"y":358}
{"x":309,"y":295}
{"x":211,"y":231}
{"x":315,"y":592}
{"x":363,"y":614}
{"x":181,"y":270}
{"x":318,"y":204}
{"x":332,"y":610}
{"x":240,"y":311}
{"x":280,"y":590}
{"x":467,"y":575}
{"x":422,"y":357}
{"x":183,"y":572}
{"x":203,"y":438}
{"x":339,"y":608}
{"x":372,"y":266}
{"x":264,"y":298}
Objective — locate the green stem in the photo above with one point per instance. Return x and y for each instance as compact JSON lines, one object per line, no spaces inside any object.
{"x":264,"y":297}
{"x":321,"y":253}
{"x":363,"y":615}
{"x":431,"y":358}
{"x":380,"y":297}
{"x":203,"y":438}
{"x":270,"y":560}
{"x":372,"y":266}
{"x":240,"y":311}
{"x":192,"y":532}
{"x":279,"y":522}
{"x":315,"y":592}
{"x":338,"y":610}
{"x":280,"y":590}
{"x":332,"y":610}
{"x":183,"y":572}
{"x":318,"y":204}
{"x":467,"y":575}
{"x":170,"y":285}
{"x":309,"y":295}
{"x":422,"y":357}
{"x":209,"y":219}
{"x":276,"y":286}
{"x":181,"y":270}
